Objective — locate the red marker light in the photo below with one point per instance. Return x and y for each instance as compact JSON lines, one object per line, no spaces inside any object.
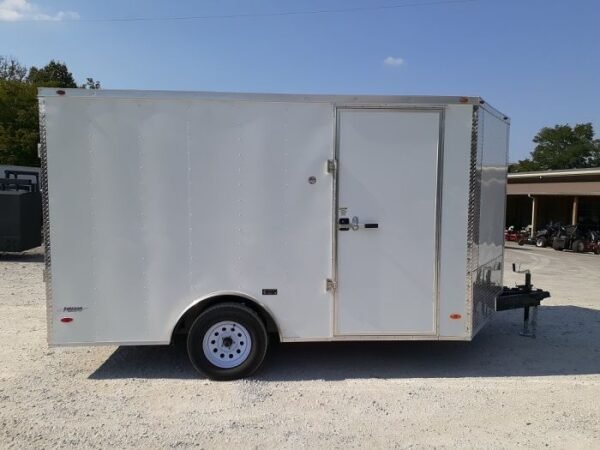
{"x":60,"y":92}
{"x":66,"y":320}
{"x":463,"y":100}
{"x":455,"y":316}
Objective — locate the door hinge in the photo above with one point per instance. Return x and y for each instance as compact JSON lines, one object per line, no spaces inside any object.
{"x":331,"y":165}
{"x":330,"y":284}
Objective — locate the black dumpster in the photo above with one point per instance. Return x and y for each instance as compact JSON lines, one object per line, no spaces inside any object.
{"x":20,"y":220}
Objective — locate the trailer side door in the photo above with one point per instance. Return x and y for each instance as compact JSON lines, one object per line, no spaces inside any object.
{"x":388,"y":221}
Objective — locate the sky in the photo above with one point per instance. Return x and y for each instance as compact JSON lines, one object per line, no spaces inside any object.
{"x":538,"y":61}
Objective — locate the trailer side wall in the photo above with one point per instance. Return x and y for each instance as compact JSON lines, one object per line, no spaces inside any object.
{"x":157,"y":203}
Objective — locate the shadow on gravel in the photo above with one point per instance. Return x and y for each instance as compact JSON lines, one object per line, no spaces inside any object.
{"x":35,"y":255}
{"x":545,"y":250}
{"x":522,"y":248}
{"x":21,"y":258}
{"x":568,"y":343}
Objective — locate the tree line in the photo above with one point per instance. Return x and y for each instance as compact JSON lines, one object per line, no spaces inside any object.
{"x":19,"y":120}
{"x":562,"y":147}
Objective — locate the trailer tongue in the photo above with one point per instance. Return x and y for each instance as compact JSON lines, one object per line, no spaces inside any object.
{"x":526,"y":297}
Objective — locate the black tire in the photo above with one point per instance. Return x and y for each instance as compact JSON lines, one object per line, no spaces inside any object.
{"x":541,"y":242}
{"x":522,"y":242}
{"x":597,"y":249}
{"x":578,"y":246}
{"x":556,"y":246}
{"x":227,"y":312}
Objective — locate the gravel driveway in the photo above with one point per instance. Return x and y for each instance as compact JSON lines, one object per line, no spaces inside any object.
{"x":499,"y":391}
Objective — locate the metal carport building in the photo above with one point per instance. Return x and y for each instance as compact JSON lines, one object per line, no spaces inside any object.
{"x":566,"y":196}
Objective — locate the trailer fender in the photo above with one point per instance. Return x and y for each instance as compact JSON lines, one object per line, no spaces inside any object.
{"x":198,"y":306}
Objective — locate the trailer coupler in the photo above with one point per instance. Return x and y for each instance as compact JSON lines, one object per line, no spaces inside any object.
{"x":526,"y":297}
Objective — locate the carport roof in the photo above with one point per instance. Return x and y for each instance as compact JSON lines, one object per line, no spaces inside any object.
{"x":555,"y":182}
{"x":556,"y":174}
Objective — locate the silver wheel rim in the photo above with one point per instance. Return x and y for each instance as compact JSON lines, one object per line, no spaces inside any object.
{"x":227,"y":344}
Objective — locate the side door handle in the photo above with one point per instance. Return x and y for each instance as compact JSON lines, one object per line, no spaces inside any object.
{"x":356,"y":225}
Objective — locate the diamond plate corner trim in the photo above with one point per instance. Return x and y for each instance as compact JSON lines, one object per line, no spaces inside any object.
{"x":473,"y":219}
{"x":46,"y":218}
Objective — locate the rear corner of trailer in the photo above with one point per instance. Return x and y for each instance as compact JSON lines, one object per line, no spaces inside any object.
{"x":66,"y":217}
{"x":43,"y":155}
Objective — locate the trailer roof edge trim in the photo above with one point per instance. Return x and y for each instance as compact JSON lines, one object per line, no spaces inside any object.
{"x":253,"y":96}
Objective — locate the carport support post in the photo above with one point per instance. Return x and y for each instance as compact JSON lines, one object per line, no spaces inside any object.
{"x":533,"y":215}
{"x":575,"y":210}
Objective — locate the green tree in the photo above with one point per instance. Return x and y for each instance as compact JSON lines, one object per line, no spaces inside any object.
{"x":19,"y":123}
{"x":53,"y":74}
{"x":562,"y":147}
{"x":90,"y":83}
{"x":11,"y":69}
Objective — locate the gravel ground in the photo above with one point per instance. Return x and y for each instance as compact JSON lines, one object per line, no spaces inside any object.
{"x":499,"y":391}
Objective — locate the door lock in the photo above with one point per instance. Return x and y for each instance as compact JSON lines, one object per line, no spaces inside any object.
{"x":344,"y":224}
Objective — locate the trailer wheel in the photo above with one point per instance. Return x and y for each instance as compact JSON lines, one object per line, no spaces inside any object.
{"x":541,"y":242}
{"x":578,"y":246}
{"x":227,"y":341}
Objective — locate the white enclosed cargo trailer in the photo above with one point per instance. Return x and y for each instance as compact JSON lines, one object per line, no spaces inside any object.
{"x":231,"y":216}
